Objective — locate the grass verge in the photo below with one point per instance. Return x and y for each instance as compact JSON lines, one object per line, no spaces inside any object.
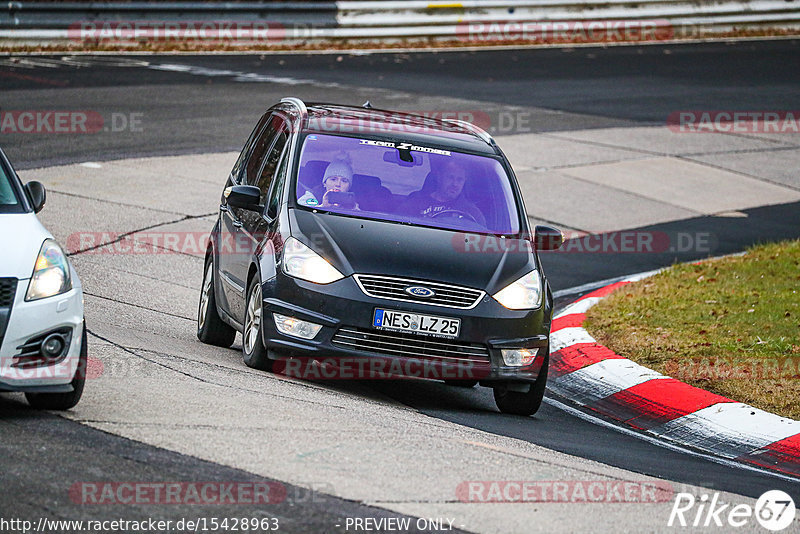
{"x":730,"y":326}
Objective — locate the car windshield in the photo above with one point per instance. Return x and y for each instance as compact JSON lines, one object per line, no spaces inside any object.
{"x":397,"y":181}
{"x":8,"y":197}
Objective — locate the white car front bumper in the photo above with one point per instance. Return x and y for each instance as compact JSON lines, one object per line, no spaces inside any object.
{"x":31,"y":319}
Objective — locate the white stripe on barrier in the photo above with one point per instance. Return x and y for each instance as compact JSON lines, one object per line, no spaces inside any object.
{"x":730,"y":429}
{"x":601,"y":379}
{"x":569,"y":336}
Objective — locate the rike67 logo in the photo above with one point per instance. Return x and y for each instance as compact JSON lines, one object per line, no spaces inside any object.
{"x":774,"y":511}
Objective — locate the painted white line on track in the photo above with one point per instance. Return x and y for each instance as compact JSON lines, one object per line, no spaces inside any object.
{"x":578,"y":307}
{"x":237,"y":76}
{"x":663,"y":443}
{"x":591,"y":286}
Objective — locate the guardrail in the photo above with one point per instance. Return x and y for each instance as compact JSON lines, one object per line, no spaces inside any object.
{"x":61,"y":15}
{"x":298,"y":22}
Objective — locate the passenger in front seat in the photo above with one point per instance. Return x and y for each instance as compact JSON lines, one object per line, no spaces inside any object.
{"x":338,"y":178}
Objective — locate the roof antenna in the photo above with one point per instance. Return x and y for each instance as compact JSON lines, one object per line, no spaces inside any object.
{"x":367,"y":105}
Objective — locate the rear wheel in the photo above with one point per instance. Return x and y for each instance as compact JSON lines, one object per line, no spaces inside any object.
{"x":64,"y":401}
{"x":253,"y":351}
{"x":211,"y":328}
{"x":517,"y":403}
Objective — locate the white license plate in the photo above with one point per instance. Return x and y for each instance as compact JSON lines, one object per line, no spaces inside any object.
{"x":416,"y":323}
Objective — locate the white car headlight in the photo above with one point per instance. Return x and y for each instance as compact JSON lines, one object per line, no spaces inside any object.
{"x":302,"y":262}
{"x":522,"y":294}
{"x":51,"y":273}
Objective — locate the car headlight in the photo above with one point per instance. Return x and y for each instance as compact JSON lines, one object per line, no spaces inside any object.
{"x":51,"y":273}
{"x":302,"y":262}
{"x":522,"y":294}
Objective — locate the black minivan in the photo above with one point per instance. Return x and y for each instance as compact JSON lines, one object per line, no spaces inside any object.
{"x":354,"y":242}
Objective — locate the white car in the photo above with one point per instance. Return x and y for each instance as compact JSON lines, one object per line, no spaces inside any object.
{"x":42,"y":332}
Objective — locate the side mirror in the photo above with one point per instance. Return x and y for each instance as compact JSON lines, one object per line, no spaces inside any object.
{"x":36,"y":194}
{"x":243,"y":196}
{"x":548,"y":238}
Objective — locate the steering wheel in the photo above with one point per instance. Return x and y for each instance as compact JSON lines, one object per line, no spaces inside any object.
{"x":458,"y":214}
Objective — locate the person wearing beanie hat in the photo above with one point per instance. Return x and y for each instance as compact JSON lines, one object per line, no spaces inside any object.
{"x":338,"y":177}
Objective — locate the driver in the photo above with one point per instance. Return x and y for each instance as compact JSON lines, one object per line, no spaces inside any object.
{"x":446,"y":198}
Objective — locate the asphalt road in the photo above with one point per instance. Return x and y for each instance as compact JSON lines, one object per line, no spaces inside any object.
{"x":190,"y":105}
{"x":207,"y":103}
{"x":47,"y":459}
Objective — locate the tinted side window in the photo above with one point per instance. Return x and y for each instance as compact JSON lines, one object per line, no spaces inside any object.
{"x":271,"y":163}
{"x":7,"y":195}
{"x":9,"y":199}
{"x":277,"y":187}
{"x":260,"y":151}
{"x":248,"y":148}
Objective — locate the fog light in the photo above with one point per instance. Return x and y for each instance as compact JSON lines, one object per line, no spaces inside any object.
{"x":519,"y":357}
{"x":291,"y":326}
{"x":52,"y":346}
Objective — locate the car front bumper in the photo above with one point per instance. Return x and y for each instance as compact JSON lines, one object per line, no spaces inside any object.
{"x":347,"y":339}
{"x":28,"y":320}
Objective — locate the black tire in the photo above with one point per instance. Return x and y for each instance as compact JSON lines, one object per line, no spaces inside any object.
{"x":515,"y":403}
{"x":253,"y":351}
{"x":211,"y":329}
{"x":65,"y":401}
{"x":461,"y":383}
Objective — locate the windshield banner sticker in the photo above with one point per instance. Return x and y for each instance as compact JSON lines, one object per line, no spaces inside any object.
{"x":405,"y":146}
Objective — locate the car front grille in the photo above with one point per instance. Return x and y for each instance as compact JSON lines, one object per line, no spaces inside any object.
{"x":8,"y":288}
{"x":446,"y":295}
{"x":411,"y":346}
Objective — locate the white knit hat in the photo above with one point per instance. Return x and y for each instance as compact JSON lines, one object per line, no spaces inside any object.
{"x":338,"y":168}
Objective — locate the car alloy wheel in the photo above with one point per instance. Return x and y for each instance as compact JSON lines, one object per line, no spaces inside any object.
{"x":253,"y":350}
{"x":205,"y":296}
{"x":211,"y":328}
{"x":252,"y":323}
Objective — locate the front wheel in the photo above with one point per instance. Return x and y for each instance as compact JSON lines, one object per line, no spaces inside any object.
{"x":516,"y":403}
{"x":253,"y":351}
{"x":211,"y":329}
{"x":65,"y":401}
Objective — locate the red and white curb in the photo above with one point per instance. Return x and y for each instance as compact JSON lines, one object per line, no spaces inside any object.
{"x":593,"y":376}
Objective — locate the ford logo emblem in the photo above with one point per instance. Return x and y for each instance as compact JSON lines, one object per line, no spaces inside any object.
{"x":419,"y":291}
